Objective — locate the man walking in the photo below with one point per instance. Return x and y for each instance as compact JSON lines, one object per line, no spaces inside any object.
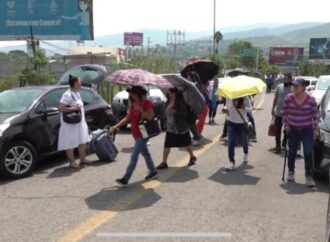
{"x":281,"y":92}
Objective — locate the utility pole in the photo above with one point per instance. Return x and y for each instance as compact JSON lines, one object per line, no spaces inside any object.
{"x":33,"y":48}
{"x":148,"y":46}
{"x":257,"y":59}
{"x":214,"y":13}
{"x":175,"y":38}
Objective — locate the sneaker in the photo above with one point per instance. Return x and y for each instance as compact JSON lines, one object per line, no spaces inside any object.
{"x":277,"y":150}
{"x":74,"y":164}
{"x":210,"y":122}
{"x":310,"y":182}
{"x":196,"y":142}
{"x":151,"y":176}
{"x":122,"y":182}
{"x":148,"y":143}
{"x":246,"y":158}
{"x":231,"y":166}
{"x":162,"y":166}
{"x":290,"y":177}
{"x":299,"y":154}
{"x":222,"y":137}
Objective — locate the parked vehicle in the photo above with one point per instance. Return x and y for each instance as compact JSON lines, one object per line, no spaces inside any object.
{"x":30,"y":120}
{"x":321,"y":87}
{"x":321,"y":157}
{"x":120,"y":103}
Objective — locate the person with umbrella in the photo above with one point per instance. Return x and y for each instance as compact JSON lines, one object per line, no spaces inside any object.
{"x":139,"y":108}
{"x":237,"y":119}
{"x":177,"y":128}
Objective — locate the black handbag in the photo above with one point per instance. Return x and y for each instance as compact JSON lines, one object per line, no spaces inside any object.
{"x":72,"y":117}
{"x":150,"y":128}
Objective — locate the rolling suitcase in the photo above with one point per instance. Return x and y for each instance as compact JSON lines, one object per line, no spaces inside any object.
{"x":102,"y":144}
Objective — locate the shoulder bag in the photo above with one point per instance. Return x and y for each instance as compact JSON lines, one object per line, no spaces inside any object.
{"x":149,"y":128}
{"x":251,"y":131}
{"x":72,"y":117}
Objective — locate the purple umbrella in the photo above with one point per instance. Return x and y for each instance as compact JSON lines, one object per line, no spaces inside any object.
{"x":138,"y":77}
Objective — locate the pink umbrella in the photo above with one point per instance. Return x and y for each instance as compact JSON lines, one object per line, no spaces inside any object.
{"x":138,"y":77}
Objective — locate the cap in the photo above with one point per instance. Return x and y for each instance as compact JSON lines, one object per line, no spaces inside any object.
{"x":300,"y":81}
{"x":136,"y":90}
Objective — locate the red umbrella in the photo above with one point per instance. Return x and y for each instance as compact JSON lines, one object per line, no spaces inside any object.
{"x":138,"y":77}
{"x":205,"y":68}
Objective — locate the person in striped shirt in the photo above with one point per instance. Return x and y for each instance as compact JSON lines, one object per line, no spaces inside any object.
{"x":300,"y":119}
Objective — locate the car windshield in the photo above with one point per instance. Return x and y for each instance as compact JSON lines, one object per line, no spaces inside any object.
{"x":323,"y":84}
{"x":17,"y":100}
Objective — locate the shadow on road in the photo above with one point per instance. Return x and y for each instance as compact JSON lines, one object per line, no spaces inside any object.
{"x":135,"y":196}
{"x":295,"y":188}
{"x":178,"y":174}
{"x":237,"y":177}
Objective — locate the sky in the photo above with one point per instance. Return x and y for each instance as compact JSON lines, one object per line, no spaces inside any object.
{"x":118,"y":16}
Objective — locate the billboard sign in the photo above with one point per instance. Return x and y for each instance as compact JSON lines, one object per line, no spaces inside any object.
{"x":319,"y":49}
{"x":133,"y":38}
{"x":288,"y":56}
{"x":46,"y":19}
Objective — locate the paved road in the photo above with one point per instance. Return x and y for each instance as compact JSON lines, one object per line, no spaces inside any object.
{"x":249,"y":204}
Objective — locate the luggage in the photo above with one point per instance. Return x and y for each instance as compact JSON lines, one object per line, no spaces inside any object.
{"x":102,"y":144}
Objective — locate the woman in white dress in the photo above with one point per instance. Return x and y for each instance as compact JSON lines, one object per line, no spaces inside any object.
{"x":76,"y":135}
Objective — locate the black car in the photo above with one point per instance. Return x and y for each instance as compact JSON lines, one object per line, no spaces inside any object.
{"x":321,"y":154}
{"x":30,"y":122}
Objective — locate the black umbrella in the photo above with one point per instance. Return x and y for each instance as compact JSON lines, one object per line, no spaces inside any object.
{"x":206,"y":69}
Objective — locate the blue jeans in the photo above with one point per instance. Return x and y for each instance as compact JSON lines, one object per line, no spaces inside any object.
{"x":305,"y":136}
{"x":139,"y":147}
{"x":235,"y":130}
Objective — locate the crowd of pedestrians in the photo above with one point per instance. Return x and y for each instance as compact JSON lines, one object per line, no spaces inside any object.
{"x":292,"y":108}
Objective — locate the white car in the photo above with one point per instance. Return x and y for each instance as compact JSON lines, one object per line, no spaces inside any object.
{"x":321,"y":87}
{"x":312,"y":83}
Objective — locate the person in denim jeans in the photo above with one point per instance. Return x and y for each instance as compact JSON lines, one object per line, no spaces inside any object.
{"x":237,"y":120}
{"x":300,"y":119}
{"x":139,"y":107}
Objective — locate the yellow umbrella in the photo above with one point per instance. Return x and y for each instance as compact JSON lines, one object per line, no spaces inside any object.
{"x":240,"y":86}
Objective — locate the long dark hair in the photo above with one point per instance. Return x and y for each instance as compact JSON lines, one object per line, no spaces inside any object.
{"x":72,"y":80}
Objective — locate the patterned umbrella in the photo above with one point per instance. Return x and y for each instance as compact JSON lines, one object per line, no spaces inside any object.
{"x":138,"y":77}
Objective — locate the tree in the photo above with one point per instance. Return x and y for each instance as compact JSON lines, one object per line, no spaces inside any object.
{"x":311,"y":69}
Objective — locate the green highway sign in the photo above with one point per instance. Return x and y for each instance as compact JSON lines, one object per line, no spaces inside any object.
{"x":247,"y":52}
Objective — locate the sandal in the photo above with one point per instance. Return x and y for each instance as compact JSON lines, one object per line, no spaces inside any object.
{"x":192,"y":161}
{"x":162,"y":166}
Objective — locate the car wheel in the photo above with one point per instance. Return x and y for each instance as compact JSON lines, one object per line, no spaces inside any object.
{"x":18,"y":160}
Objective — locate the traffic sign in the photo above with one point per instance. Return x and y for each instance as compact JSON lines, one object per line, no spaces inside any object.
{"x":247,"y":52}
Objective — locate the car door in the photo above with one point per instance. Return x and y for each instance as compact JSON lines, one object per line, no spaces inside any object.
{"x":46,"y":120}
{"x":93,"y":111}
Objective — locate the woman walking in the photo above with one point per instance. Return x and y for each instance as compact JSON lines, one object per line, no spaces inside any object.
{"x":300,"y":119}
{"x":74,"y":135}
{"x":139,"y":108}
{"x":214,"y":101}
{"x":177,"y":128}
{"x":237,"y":127}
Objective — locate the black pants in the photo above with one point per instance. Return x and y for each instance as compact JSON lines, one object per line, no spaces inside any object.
{"x":269,"y":88}
{"x":278,"y":132}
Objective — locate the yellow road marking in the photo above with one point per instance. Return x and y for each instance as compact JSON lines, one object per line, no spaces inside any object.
{"x":101,"y":218}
